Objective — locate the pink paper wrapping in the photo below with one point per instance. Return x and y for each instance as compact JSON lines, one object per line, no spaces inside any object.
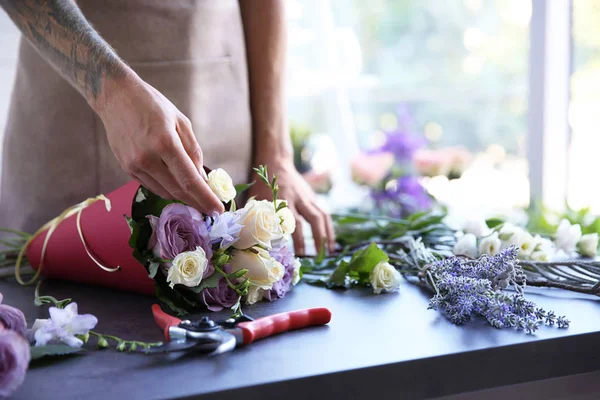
{"x":107,"y":237}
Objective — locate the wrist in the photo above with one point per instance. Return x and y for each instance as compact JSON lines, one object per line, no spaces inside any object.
{"x":113,"y":91}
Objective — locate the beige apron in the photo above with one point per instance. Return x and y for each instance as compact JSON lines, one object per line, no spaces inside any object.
{"x":55,"y":149}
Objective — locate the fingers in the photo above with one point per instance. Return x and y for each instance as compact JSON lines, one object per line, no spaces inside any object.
{"x":298,"y":235}
{"x":329,"y":229}
{"x":314,"y":216}
{"x":188,"y":178}
{"x":190,"y":143}
{"x":151,"y":184}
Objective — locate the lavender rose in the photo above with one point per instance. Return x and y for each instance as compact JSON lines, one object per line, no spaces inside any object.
{"x":12,"y":319}
{"x":220,"y":297}
{"x":180,"y":228}
{"x":14,"y":359}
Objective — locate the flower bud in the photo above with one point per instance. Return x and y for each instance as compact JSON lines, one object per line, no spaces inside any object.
{"x":121,"y":346}
{"x":102,"y":343}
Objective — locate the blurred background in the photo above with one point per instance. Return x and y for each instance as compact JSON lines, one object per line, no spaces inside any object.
{"x":487,"y":106}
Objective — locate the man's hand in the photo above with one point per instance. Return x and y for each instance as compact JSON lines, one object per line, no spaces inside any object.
{"x":302,"y":201}
{"x":154,"y":143}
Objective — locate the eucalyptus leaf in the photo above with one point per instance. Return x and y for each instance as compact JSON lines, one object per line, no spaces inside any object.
{"x":338,"y":277}
{"x":242,"y":187}
{"x":52,"y":350}
{"x":207,"y":283}
{"x":170,"y":297}
{"x":153,"y":269}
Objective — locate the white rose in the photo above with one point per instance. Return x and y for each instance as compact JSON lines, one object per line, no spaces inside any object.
{"x":296,"y":275}
{"x":263,"y":270}
{"x":385,"y":278}
{"x":255,"y":294}
{"x":588,"y":245}
{"x":523,"y":240}
{"x":288,"y":221}
{"x":477,"y":227}
{"x":188,"y":268}
{"x":567,"y":236}
{"x":261,"y":225}
{"x":221,"y":184}
{"x":466,"y":246}
{"x":490,"y":245}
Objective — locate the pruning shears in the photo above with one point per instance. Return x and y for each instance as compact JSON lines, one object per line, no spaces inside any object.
{"x":218,"y":337}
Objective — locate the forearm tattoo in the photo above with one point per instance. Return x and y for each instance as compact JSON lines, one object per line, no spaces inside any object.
{"x":64,"y":37}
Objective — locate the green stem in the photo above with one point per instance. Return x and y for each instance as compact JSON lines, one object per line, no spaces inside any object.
{"x":126,"y":342}
{"x":16,"y":232}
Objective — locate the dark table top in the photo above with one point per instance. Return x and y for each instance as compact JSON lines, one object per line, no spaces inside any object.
{"x":374,"y":346}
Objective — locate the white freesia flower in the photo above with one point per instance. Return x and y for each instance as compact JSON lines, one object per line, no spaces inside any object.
{"x":221,"y":184}
{"x":539,"y":255}
{"x":385,"y":278}
{"x":255,"y":294}
{"x":263,"y":270}
{"x":523,"y":240}
{"x":490,"y":245}
{"x":567,"y":236}
{"x":466,"y":246}
{"x":477,"y":227}
{"x":296,"y":275}
{"x":288,"y":221}
{"x":507,"y":230}
{"x":63,"y":325}
{"x":588,"y":245}
{"x":544,"y":249}
{"x":188,"y":268}
{"x":261,"y":225}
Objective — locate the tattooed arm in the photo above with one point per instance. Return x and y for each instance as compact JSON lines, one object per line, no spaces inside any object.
{"x":152,"y":140}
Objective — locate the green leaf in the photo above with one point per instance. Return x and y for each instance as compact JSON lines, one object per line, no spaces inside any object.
{"x":242,"y":187}
{"x":52,"y":350}
{"x":363,"y":261}
{"x":153,"y":269}
{"x":170,"y":298}
{"x":425,"y":220}
{"x":338,"y":277}
{"x":494,"y":222}
{"x":210,"y":282}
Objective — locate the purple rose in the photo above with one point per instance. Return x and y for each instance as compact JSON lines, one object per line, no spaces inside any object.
{"x":180,"y":228}
{"x":285,"y":256}
{"x":14,"y":359}
{"x":12,"y":319}
{"x":220,"y":297}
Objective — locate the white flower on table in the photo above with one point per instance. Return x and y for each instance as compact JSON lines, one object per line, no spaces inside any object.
{"x":466,"y":246}
{"x":588,"y":245}
{"x":263,"y":270}
{"x":477,"y":227}
{"x":567,"y":236}
{"x":63,"y":325}
{"x":261,"y":225}
{"x":221,"y":184}
{"x":188,"y":268}
{"x":522,"y":239}
{"x":385,"y":277}
{"x":490,"y":245}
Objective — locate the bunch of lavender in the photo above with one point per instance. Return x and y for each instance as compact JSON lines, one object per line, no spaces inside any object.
{"x":467,"y":287}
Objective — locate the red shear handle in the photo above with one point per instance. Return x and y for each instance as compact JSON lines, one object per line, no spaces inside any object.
{"x":164,"y":320}
{"x":278,"y":323}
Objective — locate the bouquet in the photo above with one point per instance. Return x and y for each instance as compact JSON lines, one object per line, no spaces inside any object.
{"x":215,"y":261}
{"x":188,"y":259}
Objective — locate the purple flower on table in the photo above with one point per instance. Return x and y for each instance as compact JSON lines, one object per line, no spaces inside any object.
{"x":14,"y":360}
{"x":222,"y":296}
{"x":402,"y":196}
{"x":225,"y":229}
{"x":285,"y":256}
{"x":12,"y":319}
{"x":179,"y":228}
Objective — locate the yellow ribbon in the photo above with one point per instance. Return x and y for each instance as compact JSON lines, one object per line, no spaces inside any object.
{"x":51,"y":227}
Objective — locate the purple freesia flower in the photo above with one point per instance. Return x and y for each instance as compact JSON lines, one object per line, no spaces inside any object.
{"x":179,"y":228}
{"x":222,"y":296}
{"x":12,"y":319}
{"x":402,"y":197}
{"x":225,"y":229}
{"x":285,"y":256}
{"x":14,"y":359}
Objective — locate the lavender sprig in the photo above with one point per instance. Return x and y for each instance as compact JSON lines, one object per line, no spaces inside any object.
{"x":475,"y":287}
